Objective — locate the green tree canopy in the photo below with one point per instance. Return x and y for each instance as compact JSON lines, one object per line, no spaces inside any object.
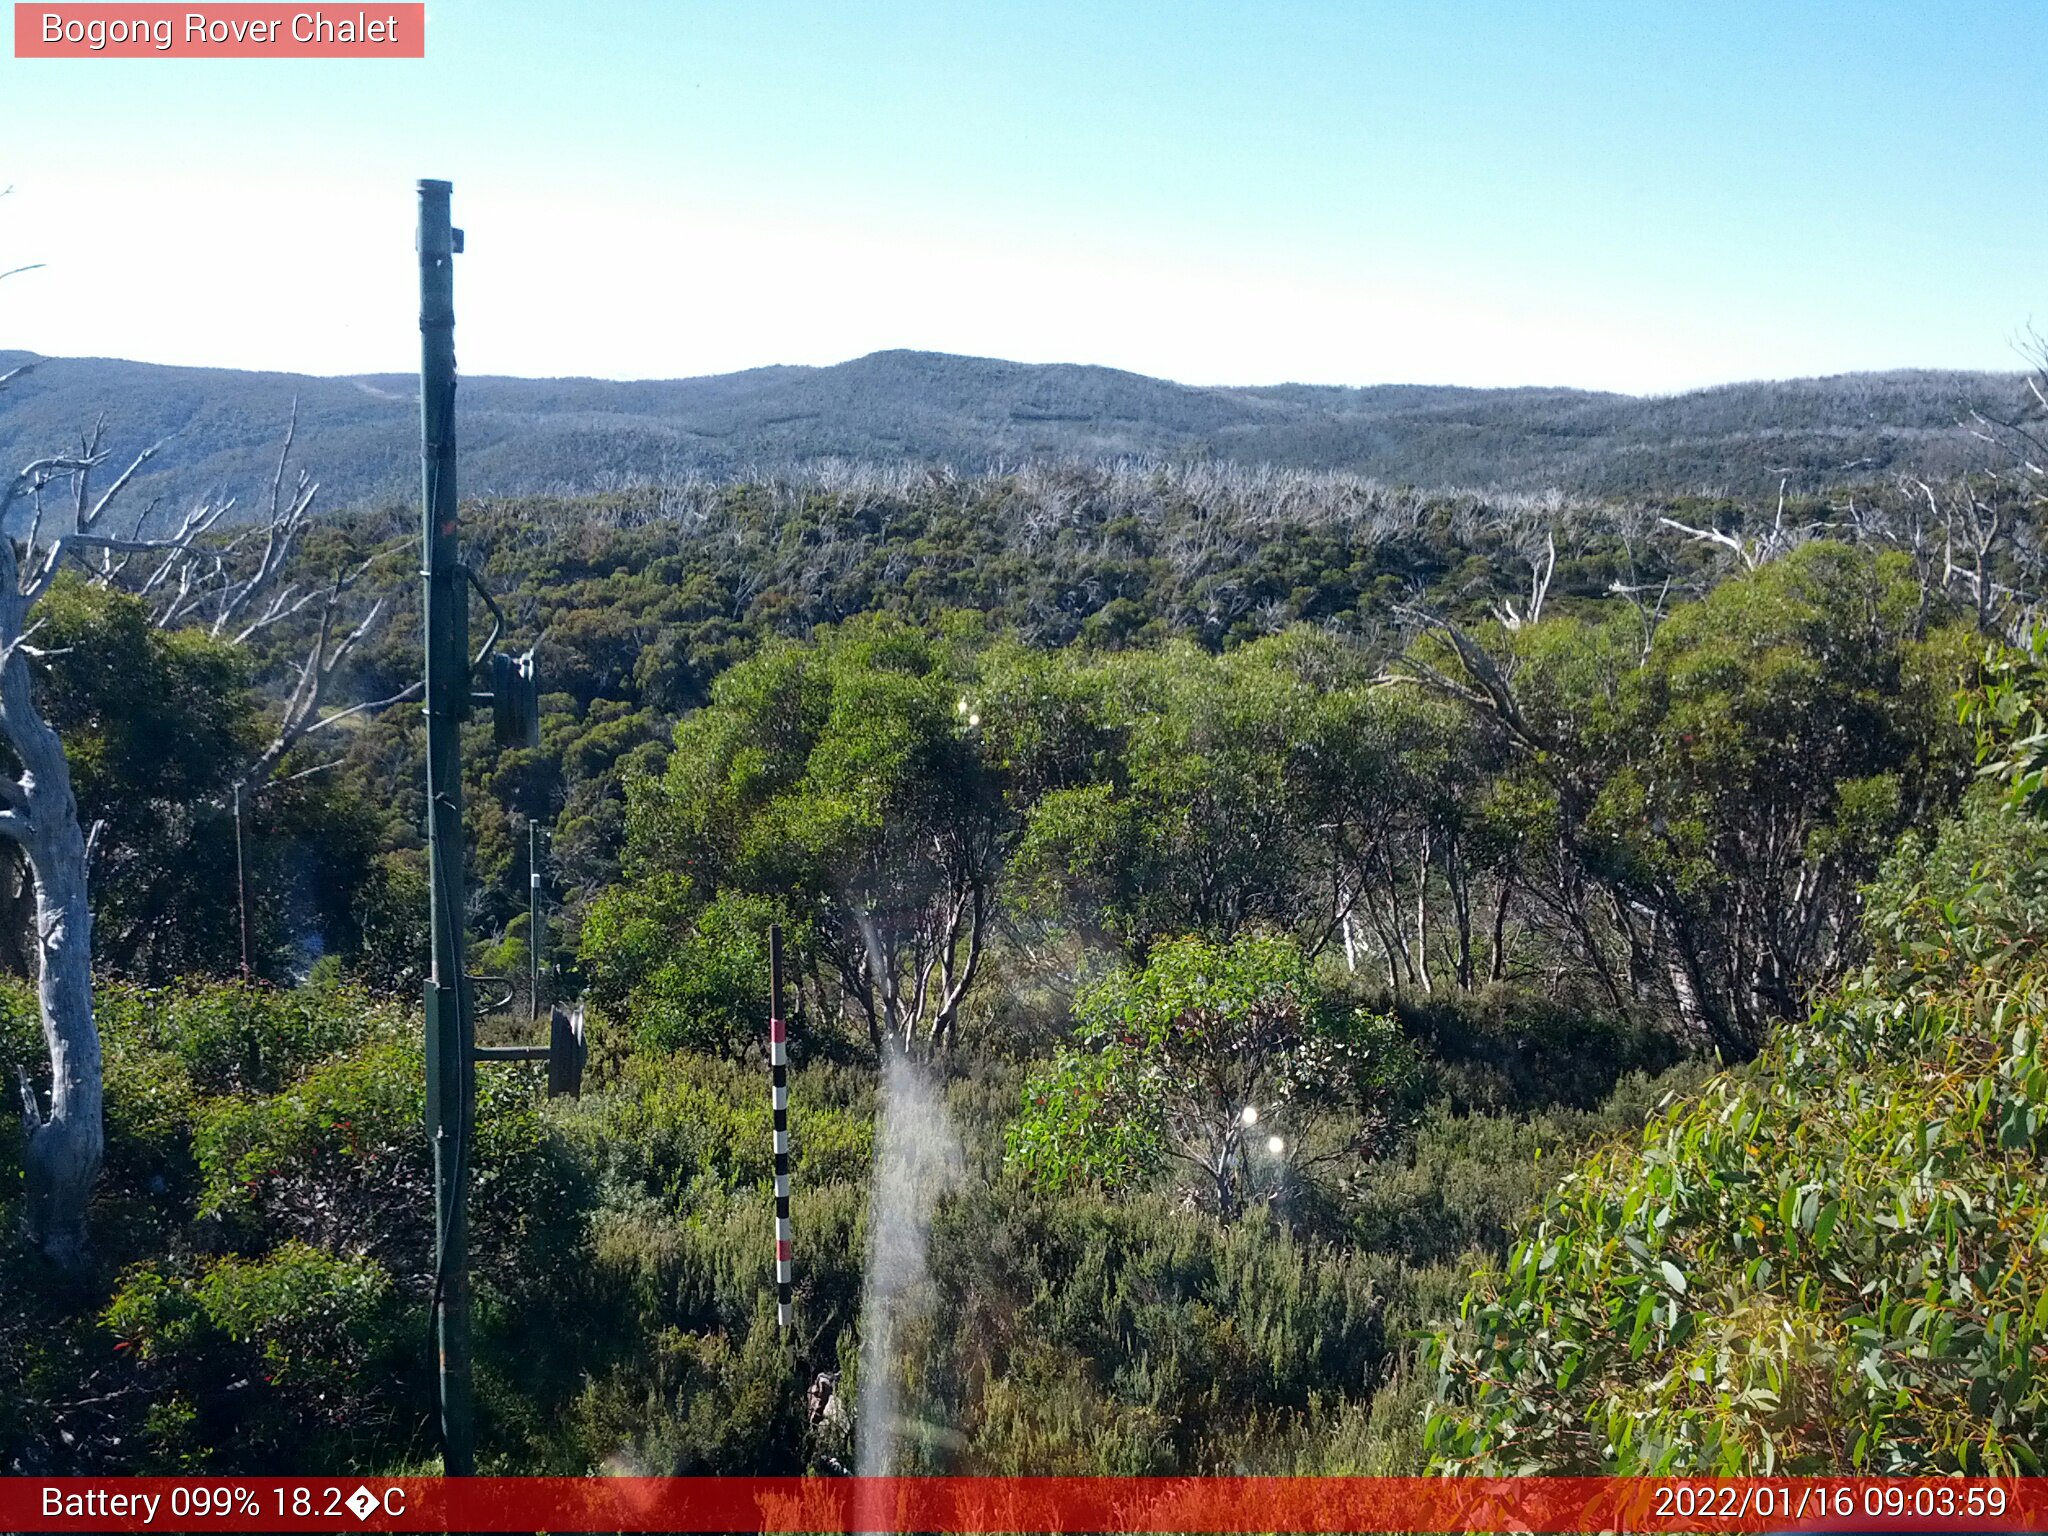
{"x":1223,"y":1061}
{"x":1730,"y":787}
{"x":1253,"y":789}
{"x":845,"y":782}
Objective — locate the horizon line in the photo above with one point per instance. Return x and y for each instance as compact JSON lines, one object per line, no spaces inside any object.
{"x":972,"y":357}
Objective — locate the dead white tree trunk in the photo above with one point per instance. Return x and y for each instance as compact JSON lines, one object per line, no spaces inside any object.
{"x":63,"y":1143}
{"x":195,"y":580}
{"x":63,"y":1140}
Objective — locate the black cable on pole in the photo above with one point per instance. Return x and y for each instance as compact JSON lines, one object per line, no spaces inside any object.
{"x":443,"y":1229}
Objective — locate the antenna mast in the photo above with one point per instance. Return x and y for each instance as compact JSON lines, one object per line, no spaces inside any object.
{"x":451,"y":1033}
{"x":514,"y":697}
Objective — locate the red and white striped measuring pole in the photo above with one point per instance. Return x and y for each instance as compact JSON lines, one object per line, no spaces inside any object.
{"x":778,"y":1076}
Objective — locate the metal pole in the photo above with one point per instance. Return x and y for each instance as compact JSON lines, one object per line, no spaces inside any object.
{"x":451,"y":1070}
{"x":241,"y":884}
{"x":533,"y":936}
{"x":778,"y":1097}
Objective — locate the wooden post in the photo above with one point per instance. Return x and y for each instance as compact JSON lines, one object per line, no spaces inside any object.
{"x":778,"y":1093}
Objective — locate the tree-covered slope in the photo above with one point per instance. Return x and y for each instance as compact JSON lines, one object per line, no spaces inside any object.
{"x":522,"y":436}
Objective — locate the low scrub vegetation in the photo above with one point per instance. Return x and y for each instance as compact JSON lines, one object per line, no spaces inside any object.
{"x":1298,"y":909}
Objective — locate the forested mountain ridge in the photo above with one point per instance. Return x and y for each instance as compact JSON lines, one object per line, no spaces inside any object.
{"x":522,"y":436}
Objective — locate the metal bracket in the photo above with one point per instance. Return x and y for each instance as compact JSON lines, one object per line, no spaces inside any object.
{"x":495,"y":1004}
{"x":565,"y":1053}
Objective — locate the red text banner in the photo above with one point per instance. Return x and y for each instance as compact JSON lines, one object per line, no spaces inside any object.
{"x":969,"y":1504}
{"x":225,"y":31}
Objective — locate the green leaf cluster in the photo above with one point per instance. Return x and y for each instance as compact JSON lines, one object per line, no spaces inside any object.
{"x":1199,"y":1060}
{"x":1834,"y":1259}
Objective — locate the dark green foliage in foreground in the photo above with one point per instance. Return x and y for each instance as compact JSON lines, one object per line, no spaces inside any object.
{"x":260,"y":1297}
{"x":1830,"y":1260}
{"x":266,"y":1218}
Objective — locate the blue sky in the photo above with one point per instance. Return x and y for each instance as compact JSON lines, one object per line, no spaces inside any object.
{"x":1632,"y":196}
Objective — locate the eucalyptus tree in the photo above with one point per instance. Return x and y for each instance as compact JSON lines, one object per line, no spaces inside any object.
{"x":200,"y":572}
{"x":1716,"y":804}
{"x":846,"y":782}
{"x":1271,"y":787}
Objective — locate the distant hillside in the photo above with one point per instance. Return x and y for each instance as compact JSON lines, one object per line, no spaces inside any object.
{"x":359,"y":435}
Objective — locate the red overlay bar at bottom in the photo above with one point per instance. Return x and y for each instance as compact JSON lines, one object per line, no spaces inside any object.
{"x":986,"y":1504}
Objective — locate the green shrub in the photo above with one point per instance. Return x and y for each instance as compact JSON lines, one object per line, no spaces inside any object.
{"x":671,"y":1120}
{"x":1828,"y":1261}
{"x":340,"y":1160}
{"x":1508,"y":1048}
{"x":1078,"y":1333}
{"x":699,"y":983}
{"x":294,"y":1362}
{"x":1466,"y":1182}
{"x":703,"y":1404}
{"x":21,"y":1049}
{"x":1974,"y":895}
{"x":150,"y":1108}
{"x":241,"y":1038}
{"x":1223,"y":1062}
